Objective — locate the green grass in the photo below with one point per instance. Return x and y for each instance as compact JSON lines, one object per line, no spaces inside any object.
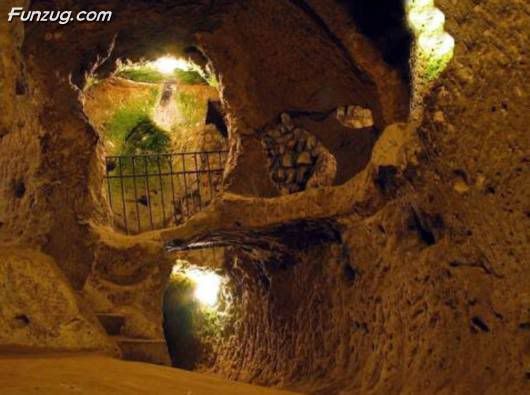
{"x":126,"y":118}
{"x":191,"y":108}
{"x":141,"y":74}
{"x":435,"y":66}
{"x":146,"y":138}
{"x":207,"y":321}
{"x":151,"y":75}
{"x":190,"y":77}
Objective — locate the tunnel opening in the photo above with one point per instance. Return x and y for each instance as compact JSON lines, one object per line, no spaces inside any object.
{"x":165,"y":140}
{"x":196,"y":306}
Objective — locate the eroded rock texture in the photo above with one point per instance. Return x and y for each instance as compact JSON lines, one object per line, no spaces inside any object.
{"x":426,"y":287}
{"x":40,"y":310}
{"x":428,"y":290}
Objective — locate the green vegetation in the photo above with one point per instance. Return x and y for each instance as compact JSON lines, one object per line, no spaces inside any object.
{"x":146,"y":138}
{"x":149,"y":74}
{"x":207,"y":322}
{"x":125,"y":119}
{"x":433,"y":66}
{"x":91,"y":81}
{"x":190,"y":77}
{"x":141,"y":74}
{"x":191,"y":109}
{"x":212,"y":80}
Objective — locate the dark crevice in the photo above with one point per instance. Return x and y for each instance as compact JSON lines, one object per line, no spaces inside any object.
{"x":349,"y":273}
{"x":22,"y":320}
{"x":480,"y":324}
{"x":20,"y":87}
{"x":426,"y":226}
{"x":19,"y":189}
{"x":479,"y":264}
{"x":385,"y":179}
{"x":216,"y":115}
{"x":297,"y":235}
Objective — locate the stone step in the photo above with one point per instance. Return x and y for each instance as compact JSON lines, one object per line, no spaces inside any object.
{"x":144,"y":350}
{"x":111,"y":322}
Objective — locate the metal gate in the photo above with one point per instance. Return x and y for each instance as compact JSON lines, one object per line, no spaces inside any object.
{"x":154,"y":191}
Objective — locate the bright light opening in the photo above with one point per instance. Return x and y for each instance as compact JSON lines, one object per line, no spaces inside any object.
{"x":168,"y":64}
{"x":427,"y":20}
{"x":434,"y":46}
{"x":440,"y":45}
{"x":207,"y":284}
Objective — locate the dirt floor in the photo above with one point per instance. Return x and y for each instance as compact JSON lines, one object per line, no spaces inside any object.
{"x":96,"y":374}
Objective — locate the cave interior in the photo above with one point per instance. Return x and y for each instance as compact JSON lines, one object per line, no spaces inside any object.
{"x":265,"y":196}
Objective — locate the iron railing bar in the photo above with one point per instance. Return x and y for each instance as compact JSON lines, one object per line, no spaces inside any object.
{"x":168,"y":174}
{"x":178,"y":206}
{"x":198,"y":181}
{"x":108,"y":183}
{"x":124,"y":210}
{"x":210,"y":184}
{"x":172,"y":188}
{"x":161,"y":191}
{"x":148,"y":191}
{"x":136,"y":196}
{"x":185,"y":186}
{"x":168,"y":154}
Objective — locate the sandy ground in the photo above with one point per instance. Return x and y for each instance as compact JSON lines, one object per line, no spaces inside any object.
{"x":96,"y":374}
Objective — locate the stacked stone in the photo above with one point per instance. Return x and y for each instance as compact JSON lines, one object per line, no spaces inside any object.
{"x":292,"y":153}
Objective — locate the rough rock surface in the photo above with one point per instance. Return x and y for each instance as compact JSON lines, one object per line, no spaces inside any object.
{"x":248,"y":51}
{"x":427,"y":289}
{"x":40,"y":310}
{"x":128,"y":277}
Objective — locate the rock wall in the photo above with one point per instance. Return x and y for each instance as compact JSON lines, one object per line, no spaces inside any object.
{"x":428,"y":293}
{"x":19,"y":138}
{"x":40,"y":310}
{"x":51,"y":170}
{"x":265,"y":71}
{"x":128,"y":277}
{"x":428,"y":289}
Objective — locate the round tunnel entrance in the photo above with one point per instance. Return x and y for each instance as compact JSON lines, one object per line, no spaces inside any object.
{"x":165,"y":146}
{"x":192,"y":302}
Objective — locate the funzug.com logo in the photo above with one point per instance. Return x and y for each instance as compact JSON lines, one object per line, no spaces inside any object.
{"x":61,"y":17}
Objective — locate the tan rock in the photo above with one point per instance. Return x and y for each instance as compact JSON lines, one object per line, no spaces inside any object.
{"x":287,"y":160}
{"x":304,"y":159}
{"x":40,"y":309}
{"x":287,"y":121}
